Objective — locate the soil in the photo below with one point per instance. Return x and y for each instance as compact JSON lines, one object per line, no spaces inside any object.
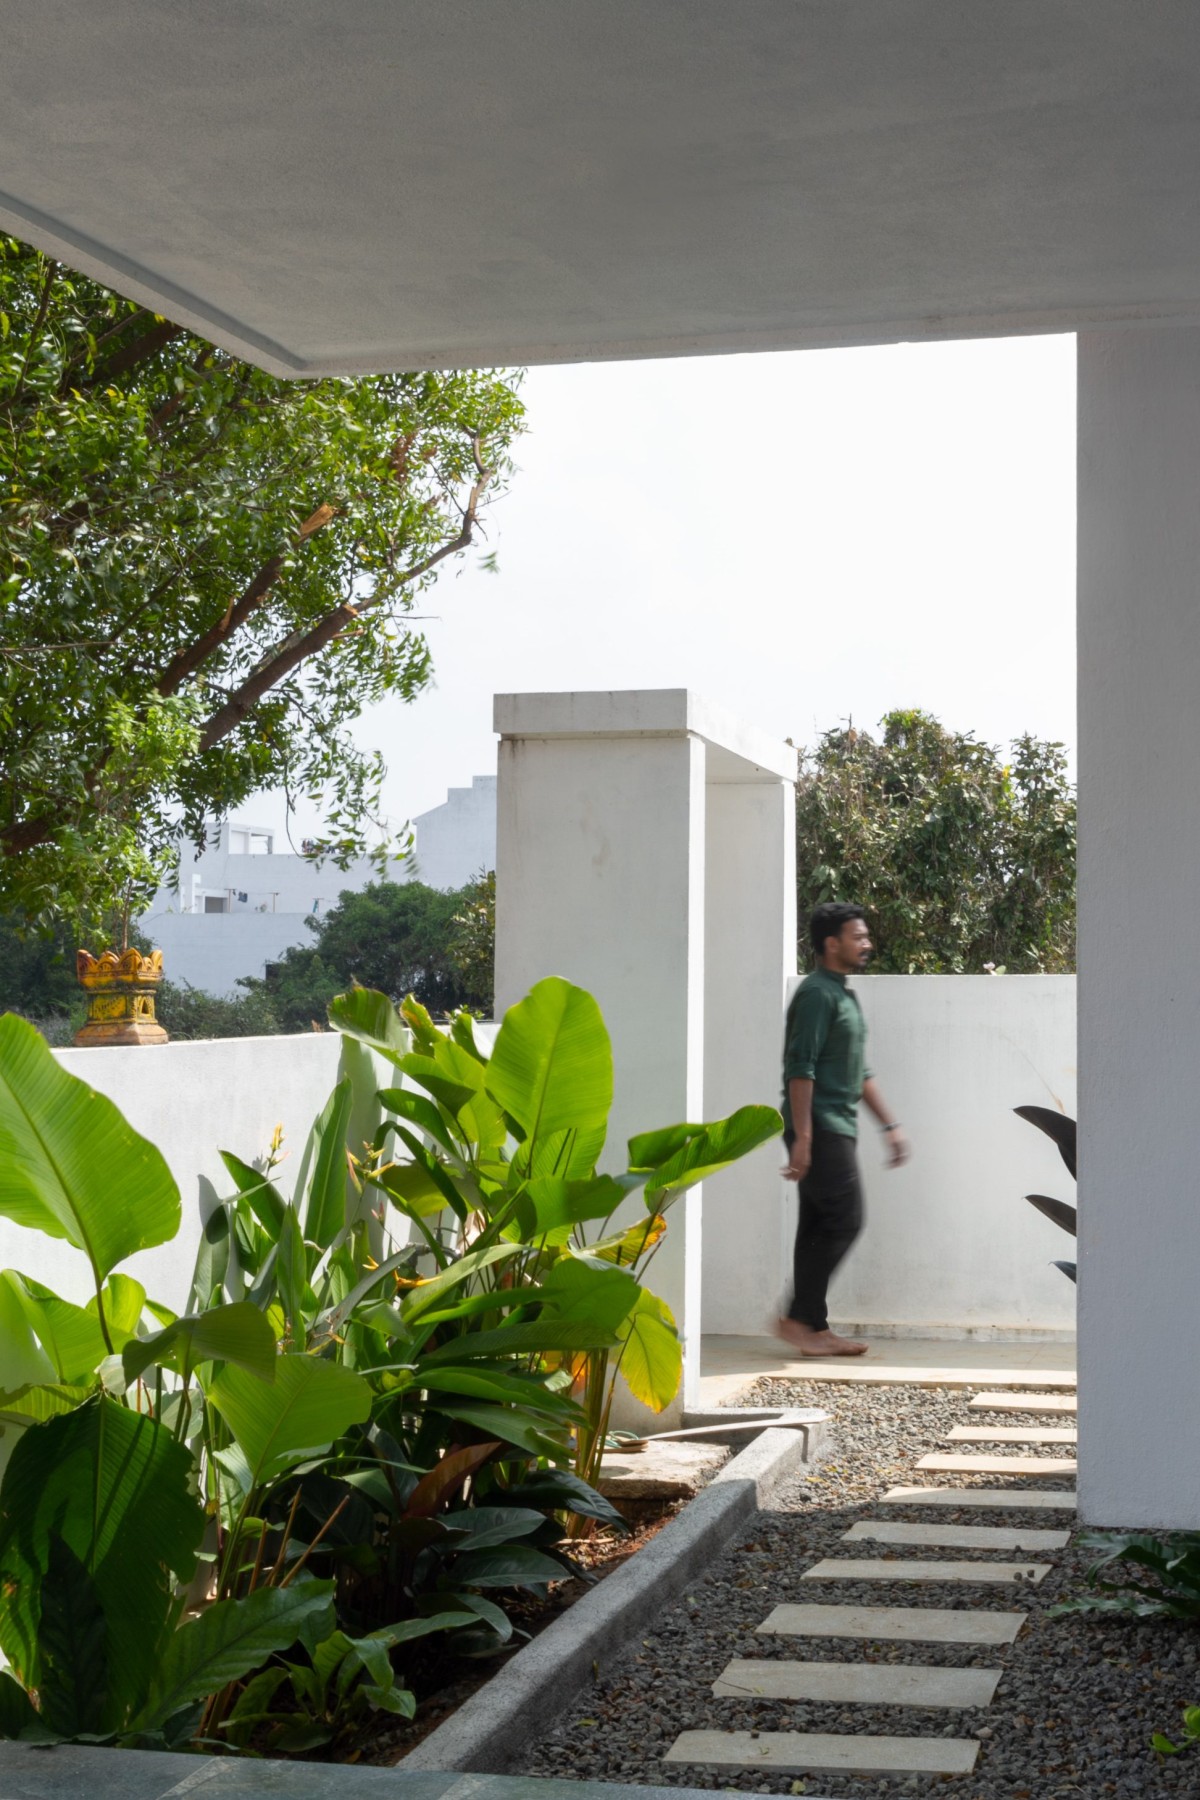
{"x":443,"y":1682}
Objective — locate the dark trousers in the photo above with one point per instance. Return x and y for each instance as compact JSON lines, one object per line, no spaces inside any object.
{"x":831,"y":1217}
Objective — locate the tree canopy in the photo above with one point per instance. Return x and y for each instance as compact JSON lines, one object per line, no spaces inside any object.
{"x":206,"y":572}
{"x":960,"y":857}
{"x":400,"y":937}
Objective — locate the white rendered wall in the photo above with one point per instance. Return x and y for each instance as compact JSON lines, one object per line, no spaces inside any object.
{"x":192,"y":1100}
{"x":212,"y":951}
{"x":750,"y":953}
{"x":950,"y":1247}
{"x":1139,"y":976}
{"x":456,"y":841}
{"x":599,"y":878}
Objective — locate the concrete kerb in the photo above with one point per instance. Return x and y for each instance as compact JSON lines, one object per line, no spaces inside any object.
{"x":541,"y":1680}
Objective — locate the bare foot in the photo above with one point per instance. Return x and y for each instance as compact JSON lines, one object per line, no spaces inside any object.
{"x":817,"y":1343}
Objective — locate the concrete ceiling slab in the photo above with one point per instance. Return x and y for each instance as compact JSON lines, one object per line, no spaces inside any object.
{"x":431,"y":183}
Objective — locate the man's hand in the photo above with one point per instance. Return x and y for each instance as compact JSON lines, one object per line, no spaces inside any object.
{"x":799,"y":1158}
{"x":899,"y":1150}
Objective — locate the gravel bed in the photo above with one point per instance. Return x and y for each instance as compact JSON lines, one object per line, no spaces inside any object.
{"x":1072,"y":1715}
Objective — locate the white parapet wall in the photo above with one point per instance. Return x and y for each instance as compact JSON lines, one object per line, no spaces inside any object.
{"x":193,"y":1101}
{"x":951,"y":1247}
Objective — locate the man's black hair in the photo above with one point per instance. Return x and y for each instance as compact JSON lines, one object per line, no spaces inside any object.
{"x":827,"y":921}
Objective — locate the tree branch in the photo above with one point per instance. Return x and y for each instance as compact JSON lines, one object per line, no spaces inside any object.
{"x":298,"y":646}
{"x":237,"y":612}
{"x":39,"y":321}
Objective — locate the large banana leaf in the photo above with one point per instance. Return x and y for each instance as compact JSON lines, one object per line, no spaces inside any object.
{"x":589,"y":1292}
{"x":69,"y":1334}
{"x":228,"y":1640}
{"x":276,"y":1424}
{"x":237,"y":1334}
{"x":706,"y":1152}
{"x":71,"y":1165}
{"x":114,"y":1488}
{"x":325,"y":1212}
{"x":370,"y":1017}
{"x":551,"y":1065}
{"x":652,"y":1360}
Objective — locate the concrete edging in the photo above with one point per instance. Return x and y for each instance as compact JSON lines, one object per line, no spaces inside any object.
{"x":543,"y":1679}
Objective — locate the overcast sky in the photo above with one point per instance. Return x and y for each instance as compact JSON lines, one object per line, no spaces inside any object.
{"x":807,"y":537}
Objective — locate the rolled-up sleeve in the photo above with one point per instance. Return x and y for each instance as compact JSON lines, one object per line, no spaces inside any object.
{"x":808,"y":1027}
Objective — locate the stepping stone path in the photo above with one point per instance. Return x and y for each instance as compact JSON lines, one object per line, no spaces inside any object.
{"x":1025,"y":1403}
{"x":1012,"y":1434}
{"x":957,"y":1537}
{"x":1037,"y":1500}
{"x":923,"y":1685}
{"x":894,"y":1624}
{"x":998,"y":1465}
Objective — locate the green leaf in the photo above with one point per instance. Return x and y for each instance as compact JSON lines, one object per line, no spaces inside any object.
{"x":652,"y":1360}
{"x":369,"y":1016}
{"x":325,"y":1214}
{"x":583,"y":1333}
{"x":291,"y":1274}
{"x":308,"y":1405}
{"x":23,"y":1362}
{"x":267,"y":1203}
{"x":420,"y":1299}
{"x":69,"y":1334}
{"x":709,"y":1151}
{"x":589,"y":1290}
{"x":228,"y":1640}
{"x":72,"y":1645}
{"x":511,"y":1565}
{"x":17,"y":1711}
{"x":551,"y":1066}
{"x":498,"y":1385}
{"x":70,"y":1164}
{"x":117,"y":1490}
{"x":238,"y":1334}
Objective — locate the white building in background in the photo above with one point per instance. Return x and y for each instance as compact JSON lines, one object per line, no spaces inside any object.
{"x":248,"y":897}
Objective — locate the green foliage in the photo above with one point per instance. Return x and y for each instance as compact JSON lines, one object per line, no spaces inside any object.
{"x":960,"y":859}
{"x":389,"y":1385}
{"x":473,"y":943}
{"x":397,"y":937}
{"x":206,"y":573}
{"x":1191,"y":1734}
{"x":187,"y":1013}
{"x":1062,"y":1132}
{"x":1170,"y":1559}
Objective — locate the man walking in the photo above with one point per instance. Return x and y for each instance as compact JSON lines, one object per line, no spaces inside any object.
{"x":824,"y":1078}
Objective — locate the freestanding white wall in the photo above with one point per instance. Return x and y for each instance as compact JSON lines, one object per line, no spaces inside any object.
{"x":1139,"y":976}
{"x":603,"y":821}
{"x":951,"y":1248}
{"x":193,"y":1101}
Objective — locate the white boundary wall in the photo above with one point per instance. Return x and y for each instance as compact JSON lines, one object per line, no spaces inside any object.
{"x":193,"y":1101}
{"x":951,"y":1247}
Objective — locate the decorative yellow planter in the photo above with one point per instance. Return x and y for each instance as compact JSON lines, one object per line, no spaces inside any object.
{"x":120,"y":991}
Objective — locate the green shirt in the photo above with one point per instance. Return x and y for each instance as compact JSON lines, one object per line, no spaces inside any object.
{"x":824,"y":1042}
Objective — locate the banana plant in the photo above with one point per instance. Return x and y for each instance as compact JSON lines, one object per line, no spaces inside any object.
{"x":1061,"y":1131}
{"x":524,"y":1250}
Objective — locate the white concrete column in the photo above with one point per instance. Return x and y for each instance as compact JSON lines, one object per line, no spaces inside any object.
{"x":606,"y":802}
{"x":1139,"y":970}
{"x":600,"y":878}
{"x":750,"y":953}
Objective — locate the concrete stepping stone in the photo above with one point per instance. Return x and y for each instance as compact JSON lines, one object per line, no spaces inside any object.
{"x":947,"y":1463}
{"x":1035,"y":1499}
{"x":816,"y":1752}
{"x":956,"y":1537}
{"x":849,"y":1684}
{"x":1034,"y":1403}
{"x":898,"y":1568}
{"x":1013,"y":1434}
{"x":894,"y":1624}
